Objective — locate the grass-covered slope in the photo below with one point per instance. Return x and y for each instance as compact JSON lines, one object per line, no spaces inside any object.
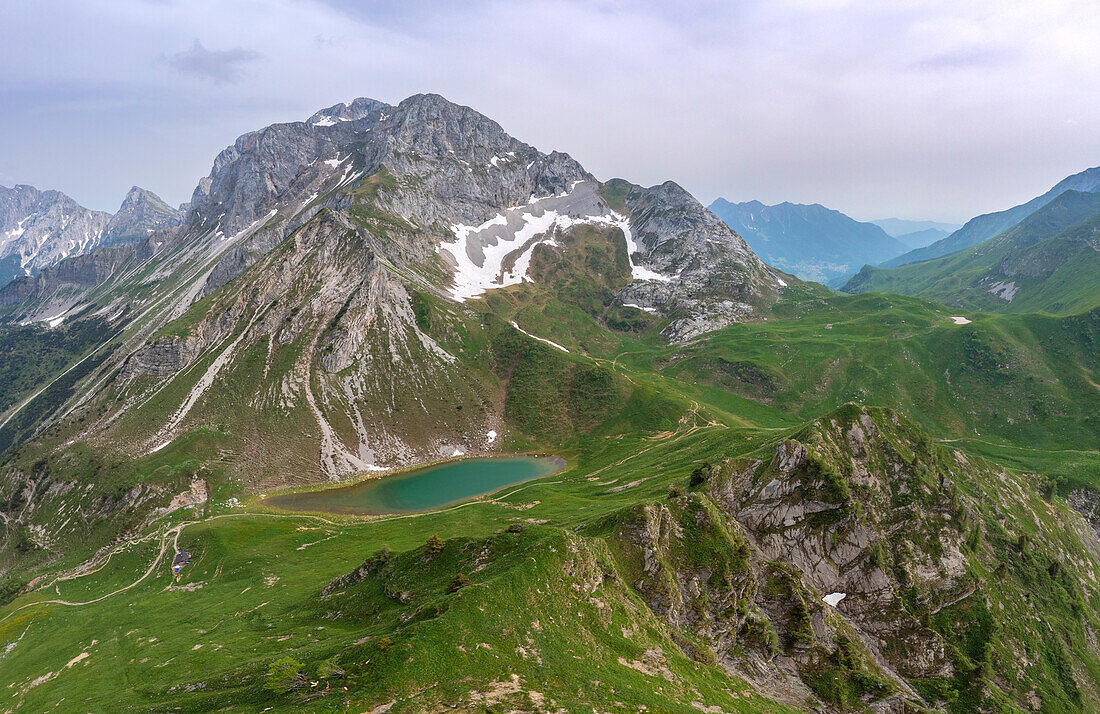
{"x":1021,"y":389}
{"x":1046,"y":263}
{"x":988,"y":225}
{"x":600,"y":587}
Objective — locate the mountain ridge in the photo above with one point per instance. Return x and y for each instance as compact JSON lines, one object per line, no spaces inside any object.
{"x":40,"y":229}
{"x":1045,"y":262}
{"x":809,"y":240}
{"x":987,"y":225}
{"x":745,"y":521}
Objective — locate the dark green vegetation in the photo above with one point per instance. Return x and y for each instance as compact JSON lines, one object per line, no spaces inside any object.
{"x":1049,"y":262}
{"x":560,"y":585}
{"x":511,"y":589}
{"x":34,"y":358}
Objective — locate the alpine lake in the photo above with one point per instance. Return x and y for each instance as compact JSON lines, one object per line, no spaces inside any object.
{"x":423,"y":489}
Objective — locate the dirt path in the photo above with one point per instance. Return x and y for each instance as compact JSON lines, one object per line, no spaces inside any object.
{"x":1032,"y":449}
{"x":149,"y":571}
{"x":174,"y":532}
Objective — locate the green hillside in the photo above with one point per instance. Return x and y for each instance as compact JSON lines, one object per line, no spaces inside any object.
{"x":1047,"y":263}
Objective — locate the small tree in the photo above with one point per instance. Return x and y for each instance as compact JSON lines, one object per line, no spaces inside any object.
{"x":285,"y":675}
{"x":330,"y":668}
{"x":434,"y":546}
{"x":458,"y":582}
{"x":699,"y":475}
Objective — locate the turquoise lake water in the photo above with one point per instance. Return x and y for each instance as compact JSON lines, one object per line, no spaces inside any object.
{"x":423,"y":489}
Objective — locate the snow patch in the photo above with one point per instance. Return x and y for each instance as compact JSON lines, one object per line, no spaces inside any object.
{"x":540,"y":339}
{"x":325,"y":121}
{"x":782,"y":284}
{"x":961,"y":320}
{"x":833,"y":599}
{"x":56,"y":320}
{"x":640,"y":307}
{"x":490,"y":436}
{"x":458,"y":452}
{"x":480,"y":255}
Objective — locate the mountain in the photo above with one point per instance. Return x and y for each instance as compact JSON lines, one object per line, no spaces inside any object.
{"x":772,"y":498}
{"x":988,"y":225}
{"x":898,"y":227}
{"x":921,"y":238}
{"x":323,"y":242}
{"x":142,"y":212}
{"x":39,"y":229}
{"x":812,"y":242}
{"x":1049,"y":262}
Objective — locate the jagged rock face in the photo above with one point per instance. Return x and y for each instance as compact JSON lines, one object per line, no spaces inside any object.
{"x":71,"y":276}
{"x":440,"y":166}
{"x":357,"y":109}
{"x":860,"y":531}
{"x":142,"y":212}
{"x":714,"y":278}
{"x":1086,"y":501}
{"x":796,"y":516}
{"x":701,"y":574}
{"x":360,"y":370}
{"x":265,"y":169}
{"x":44,"y":227}
{"x":459,"y":166}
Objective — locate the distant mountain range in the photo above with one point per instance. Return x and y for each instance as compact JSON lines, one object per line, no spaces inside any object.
{"x":810,"y":241}
{"x":1049,"y":261}
{"x":900,"y":227}
{"x":988,"y":225}
{"x":39,"y":229}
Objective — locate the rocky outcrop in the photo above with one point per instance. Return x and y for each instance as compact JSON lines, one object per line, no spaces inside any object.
{"x":162,"y":357}
{"x":356,"y":109}
{"x":360,"y":203}
{"x":712,"y":277}
{"x":1086,"y":501}
{"x":265,"y":168}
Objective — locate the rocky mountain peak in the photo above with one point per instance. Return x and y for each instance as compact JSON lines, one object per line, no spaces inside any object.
{"x":352,"y":111}
{"x":141,"y":213}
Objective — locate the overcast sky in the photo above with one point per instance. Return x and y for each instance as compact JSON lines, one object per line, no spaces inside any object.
{"x":916,"y":108}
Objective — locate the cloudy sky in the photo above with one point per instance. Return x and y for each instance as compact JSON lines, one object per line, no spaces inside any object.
{"x":912,"y":108}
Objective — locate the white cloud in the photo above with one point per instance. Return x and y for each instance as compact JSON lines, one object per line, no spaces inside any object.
{"x":922,"y":109}
{"x":217,"y":66}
